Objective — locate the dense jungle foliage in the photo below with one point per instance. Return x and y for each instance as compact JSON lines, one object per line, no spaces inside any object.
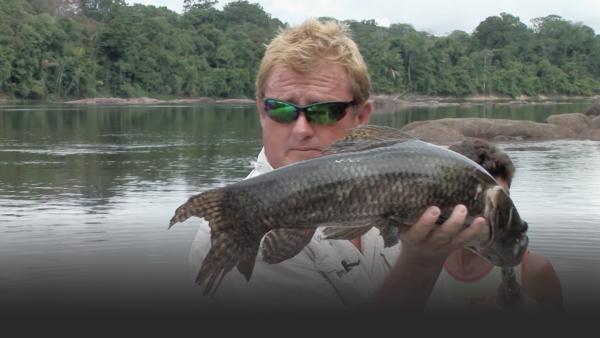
{"x":53,"y":49}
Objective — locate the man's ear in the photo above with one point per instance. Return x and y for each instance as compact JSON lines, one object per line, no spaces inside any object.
{"x":364,"y":112}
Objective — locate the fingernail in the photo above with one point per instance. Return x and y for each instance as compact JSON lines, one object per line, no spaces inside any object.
{"x":434,"y":211}
{"x":462,"y":209}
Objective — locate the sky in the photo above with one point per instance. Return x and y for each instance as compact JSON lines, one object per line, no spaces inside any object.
{"x":437,"y":17}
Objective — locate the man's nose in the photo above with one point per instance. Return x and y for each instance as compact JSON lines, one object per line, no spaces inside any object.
{"x":302,"y":128}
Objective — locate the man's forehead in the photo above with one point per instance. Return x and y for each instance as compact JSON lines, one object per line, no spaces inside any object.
{"x":324,"y":70}
{"x":325,"y":79}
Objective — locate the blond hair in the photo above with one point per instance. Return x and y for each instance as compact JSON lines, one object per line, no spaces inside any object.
{"x":313,"y":43}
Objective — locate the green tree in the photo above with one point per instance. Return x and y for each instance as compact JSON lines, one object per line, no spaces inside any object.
{"x":198,"y":4}
{"x":70,"y":48}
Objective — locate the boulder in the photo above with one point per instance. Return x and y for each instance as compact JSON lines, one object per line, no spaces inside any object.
{"x":490,"y":129}
{"x":590,"y":134}
{"x":197,"y":100}
{"x":235,"y":101}
{"x":577,"y":122}
{"x":595,"y":122}
{"x":436,"y":133}
{"x":116,"y":101}
{"x":594,"y":109}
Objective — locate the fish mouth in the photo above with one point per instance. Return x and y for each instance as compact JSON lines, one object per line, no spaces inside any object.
{"x":512,"y":255}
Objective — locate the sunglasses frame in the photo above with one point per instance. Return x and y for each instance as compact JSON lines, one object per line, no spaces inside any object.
{"x":308,"y":113}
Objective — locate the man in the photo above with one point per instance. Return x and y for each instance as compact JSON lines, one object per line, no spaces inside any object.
{"x":312,"y":88}
{"x":468,"y":281}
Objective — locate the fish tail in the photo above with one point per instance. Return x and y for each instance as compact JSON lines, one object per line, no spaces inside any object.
{"x":224,"y":254}
{"x":234,"y":240}
{"x":208,"y":204}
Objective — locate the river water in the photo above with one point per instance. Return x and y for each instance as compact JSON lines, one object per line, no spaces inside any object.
{"x":86,"y":194}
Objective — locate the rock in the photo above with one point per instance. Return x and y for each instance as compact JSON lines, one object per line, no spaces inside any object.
{"x":145,"y":100}
{"x":490,"y":129}
{"x":148,"y":100}
{"x":205,"y":100}
{"x":235,"y":101}
{"x":116,"y":100}
{"x":577,"y":122}
{"x":590,"y":134}
{"x":595,"y":122}
{"x":435,"y":133}
{"x":594,"y":109}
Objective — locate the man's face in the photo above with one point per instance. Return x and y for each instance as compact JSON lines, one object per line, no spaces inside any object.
{"x":286,"y":143}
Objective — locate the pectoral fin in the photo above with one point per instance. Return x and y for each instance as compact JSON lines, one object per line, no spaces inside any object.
{"x":347,"y":233}
{"x":389,"y":232}
{"x":281,"y":244}
{"x":388,"y":228}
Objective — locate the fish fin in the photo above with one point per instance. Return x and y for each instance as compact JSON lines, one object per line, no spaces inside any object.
{"x":388,"y":228}
{"x":234,"y":241}
{"x":213,"y":269}
{"x":281,"y":244}
{"x":368,"y":137}
{"x":200,"y":205}
{"x":247,"y":260}
{"x":381,"y":133}
{"x":347,"y":233}
{"x":224,"y":254}
{"x":389,"y":232}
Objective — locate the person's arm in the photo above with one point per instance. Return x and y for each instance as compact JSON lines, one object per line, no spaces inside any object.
{"x":425,"y":247}
{"x":541,"y":283}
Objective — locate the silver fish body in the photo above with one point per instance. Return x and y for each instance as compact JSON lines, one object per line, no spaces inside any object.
{"x":348,"y":192}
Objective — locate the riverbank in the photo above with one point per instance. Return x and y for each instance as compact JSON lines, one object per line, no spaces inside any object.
{"x":150,"y":101}
{"x":382,"y":102}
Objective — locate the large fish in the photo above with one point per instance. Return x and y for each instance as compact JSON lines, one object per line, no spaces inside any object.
{"x":374,"y":177}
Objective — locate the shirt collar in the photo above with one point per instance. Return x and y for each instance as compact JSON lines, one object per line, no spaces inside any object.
{"x":261,"y":165}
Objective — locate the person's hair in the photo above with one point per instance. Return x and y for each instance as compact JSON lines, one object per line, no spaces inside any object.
{"x":311,"y":44}
{"x":487,"y":155}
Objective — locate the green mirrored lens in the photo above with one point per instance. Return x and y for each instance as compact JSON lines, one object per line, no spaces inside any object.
{"x":326,"y":113}
{"x":280,"y":111}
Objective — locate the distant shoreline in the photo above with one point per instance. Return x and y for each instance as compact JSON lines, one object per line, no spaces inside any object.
{"x":149,"y":101}
{"x":382,"y":101}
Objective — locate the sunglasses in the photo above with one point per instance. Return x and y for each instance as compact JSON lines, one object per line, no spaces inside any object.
{"x":323,"y":113}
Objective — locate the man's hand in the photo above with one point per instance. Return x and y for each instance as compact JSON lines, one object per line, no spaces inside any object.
{"x":425,"y":247}
{"x":430,"y":243}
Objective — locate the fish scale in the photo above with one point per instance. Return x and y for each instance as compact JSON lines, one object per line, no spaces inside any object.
{"x":383,"y":183}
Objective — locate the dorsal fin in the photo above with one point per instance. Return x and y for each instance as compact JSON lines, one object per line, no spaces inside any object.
{"x":368,"y":137}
